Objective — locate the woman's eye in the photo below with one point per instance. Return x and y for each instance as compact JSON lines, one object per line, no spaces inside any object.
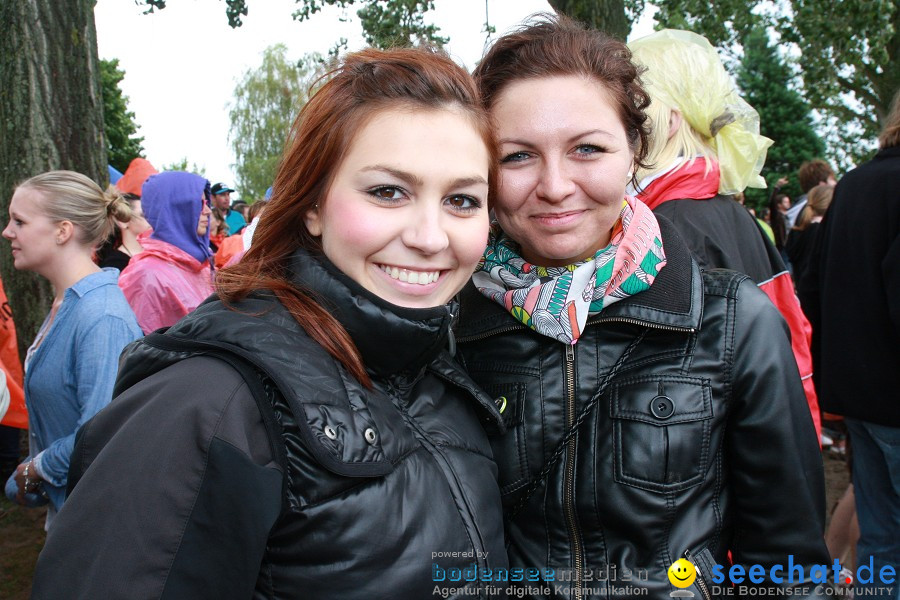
{"x":386,"y":192}
{"x":514,"y":157}
{"x":464,"y":203}
{"x":587,"y":149}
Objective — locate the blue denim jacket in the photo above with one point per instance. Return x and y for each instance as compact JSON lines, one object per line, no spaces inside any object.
{"x":71,"y":374}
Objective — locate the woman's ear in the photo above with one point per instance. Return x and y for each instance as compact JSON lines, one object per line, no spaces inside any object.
{"x":675,"y":120}
{"x":64,"y":232}
{"x":313,"y":222}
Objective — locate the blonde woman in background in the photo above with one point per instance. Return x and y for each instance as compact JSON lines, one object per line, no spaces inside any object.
{"x":803,"y":236}
{"x":56,"y":221}
{"x":704,"y":148}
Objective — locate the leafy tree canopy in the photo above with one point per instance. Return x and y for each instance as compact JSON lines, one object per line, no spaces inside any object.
{"x":848,"y":59}
{"x":183,"y":165}
{"x":385,"y":23}
{"x":118,"y":122}
{"x":768,"y":84}
{"x":265,"y":103}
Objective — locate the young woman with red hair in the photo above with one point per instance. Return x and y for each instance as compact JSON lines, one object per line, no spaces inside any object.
{"x":339,"y":446}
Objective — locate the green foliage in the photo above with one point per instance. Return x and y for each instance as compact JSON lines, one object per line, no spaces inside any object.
{"x":767,"y":84}
{"x":122,"y":144}
{"x":265,"y":103}
{"x":182,"y":165}
{"x":398,"y":23}
{"x":612,"y":16}
{"x":385,"y":23}
{"x":849,"y":53}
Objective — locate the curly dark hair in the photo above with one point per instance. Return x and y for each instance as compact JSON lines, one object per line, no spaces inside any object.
{"x":550,"y":45}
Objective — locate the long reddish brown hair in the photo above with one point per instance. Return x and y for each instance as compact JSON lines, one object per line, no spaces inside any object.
{"x":366,"y":83}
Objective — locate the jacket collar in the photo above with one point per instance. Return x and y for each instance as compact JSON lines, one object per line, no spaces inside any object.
{"x":674,"y":300}
{"x":93,"y":281}
{"x":407,"y":338}
{"x":171,"y":253}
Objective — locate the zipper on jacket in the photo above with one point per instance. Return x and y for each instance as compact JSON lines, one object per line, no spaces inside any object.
{"x":569,"y":484}
{"x":701,"y":583}
{"x":647,"y":324}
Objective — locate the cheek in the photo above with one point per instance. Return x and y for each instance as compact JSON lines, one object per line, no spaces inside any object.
{"x":470,"y":241}
{"x":349,"y":228}
{"x":513,"y":187}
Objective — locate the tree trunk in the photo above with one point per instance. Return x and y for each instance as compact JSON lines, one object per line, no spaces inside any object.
{"x":605,"y":15}
{"x":51,"y":117}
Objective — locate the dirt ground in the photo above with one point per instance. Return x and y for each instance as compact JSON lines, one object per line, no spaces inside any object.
{"x":22,"y":533}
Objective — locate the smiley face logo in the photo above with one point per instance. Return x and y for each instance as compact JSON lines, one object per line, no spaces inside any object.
{"x":682,"y":573}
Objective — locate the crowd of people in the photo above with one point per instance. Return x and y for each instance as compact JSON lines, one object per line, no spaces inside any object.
{"x":500,"y":322}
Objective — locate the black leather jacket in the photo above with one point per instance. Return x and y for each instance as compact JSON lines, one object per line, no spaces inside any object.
{"x":189,"y":485}
{"x":701,"y":442}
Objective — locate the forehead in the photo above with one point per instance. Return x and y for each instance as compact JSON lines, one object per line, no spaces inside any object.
{"x":560,"y":101}
{"x":26,"y":200}
{"x":406,"y":138}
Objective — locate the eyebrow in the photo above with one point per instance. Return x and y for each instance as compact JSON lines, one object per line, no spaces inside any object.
{"x":574,"y":138}
{"x":415,"y":180}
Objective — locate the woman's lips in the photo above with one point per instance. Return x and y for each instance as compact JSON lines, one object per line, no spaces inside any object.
{"x":560,"y":219}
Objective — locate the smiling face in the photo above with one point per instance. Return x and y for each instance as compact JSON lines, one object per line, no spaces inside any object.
{"x":682,"y":573}
{"x":32,"y":235}
{"x":565,"y":161}
{"x":406,"y":214}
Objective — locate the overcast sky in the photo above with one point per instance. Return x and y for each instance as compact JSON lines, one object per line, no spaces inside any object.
{"x":182,"y":63}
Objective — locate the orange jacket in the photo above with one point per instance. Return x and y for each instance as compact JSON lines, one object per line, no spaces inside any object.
{"x":17,"y":415}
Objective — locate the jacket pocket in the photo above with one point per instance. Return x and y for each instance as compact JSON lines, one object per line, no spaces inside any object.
{"x":510,"y":449}
{"x":661,"y":431}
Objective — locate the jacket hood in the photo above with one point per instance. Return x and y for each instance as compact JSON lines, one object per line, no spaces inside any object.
{"x":135,"y":175}
{"x":172,"y":202}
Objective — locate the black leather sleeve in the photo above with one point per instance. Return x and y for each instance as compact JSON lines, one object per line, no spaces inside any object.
{"x":178,"y":494}
{"x":775,"y":462}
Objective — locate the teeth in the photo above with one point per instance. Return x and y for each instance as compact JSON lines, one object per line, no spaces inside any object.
{"x":417,"y":277}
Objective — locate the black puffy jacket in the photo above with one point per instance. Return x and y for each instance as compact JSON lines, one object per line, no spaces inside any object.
{"x":700,"y":442}
{"x":197,"y":482}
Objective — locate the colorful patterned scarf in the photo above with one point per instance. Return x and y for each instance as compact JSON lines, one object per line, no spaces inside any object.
{"x":557,"y":301}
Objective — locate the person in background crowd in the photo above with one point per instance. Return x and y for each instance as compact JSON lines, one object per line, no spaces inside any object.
{"x":221,"y":199}
{"x":56,"y":220}
{"x":16,"y":418}
{"x":341,"y":446}
{"x":856,"y":319}
{"x":234,"y":246}
{"x":135,"y":175}
{"x":706,"y":146}
{"x":810,"y":174}
{"x":218,"y":230}
{"x":243,"y":208}
{"x":639,"y":428}
{"x":123,"y":244}
{"x":173,"y":274}
{"x":802,"y":241}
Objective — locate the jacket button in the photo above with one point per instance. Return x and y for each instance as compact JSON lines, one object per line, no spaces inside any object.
{"x":662,"y":407}
{"x":370,"y":435}
{"x":330,"y":433}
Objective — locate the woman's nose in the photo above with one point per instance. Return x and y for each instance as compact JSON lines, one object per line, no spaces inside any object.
{"x":425,"y":231}
{"x":555,"y":182}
